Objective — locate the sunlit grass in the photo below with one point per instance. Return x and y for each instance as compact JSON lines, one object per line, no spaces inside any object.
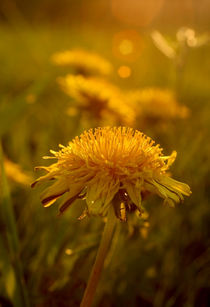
{"x":171,"y":255}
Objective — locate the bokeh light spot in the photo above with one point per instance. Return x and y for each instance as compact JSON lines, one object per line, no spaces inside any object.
{"x":127,"y":45}
{"x":68,"y":251}
{"x":124,"y":71}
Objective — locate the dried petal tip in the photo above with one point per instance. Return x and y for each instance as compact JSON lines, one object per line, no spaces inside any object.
{"x":34,"y":183}
{"x":111,"y":165}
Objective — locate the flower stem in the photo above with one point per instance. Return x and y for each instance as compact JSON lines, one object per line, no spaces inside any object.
{"x":101,"y":255}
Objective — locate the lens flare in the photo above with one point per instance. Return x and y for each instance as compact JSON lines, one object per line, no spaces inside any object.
{"x":127,"y":45}
{"x":124,"y":72}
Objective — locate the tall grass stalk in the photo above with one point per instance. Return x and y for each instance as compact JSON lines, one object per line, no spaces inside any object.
{"x":19,"y":294}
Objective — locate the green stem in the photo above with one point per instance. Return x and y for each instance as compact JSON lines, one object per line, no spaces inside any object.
{"x":101,"y":255}
{"x":13,"y":240}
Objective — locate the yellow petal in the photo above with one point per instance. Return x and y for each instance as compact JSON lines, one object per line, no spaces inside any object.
{"x":100,"y":195}
{"x":41,"y":179}
{"x":167,"y":193}
{"x":52,"y":193}
{"x":175,"y":185}
{"x":134,"y":192}
{"x":168,"y":188}
{"x":169,"y":159}
{"x":72,"y":195}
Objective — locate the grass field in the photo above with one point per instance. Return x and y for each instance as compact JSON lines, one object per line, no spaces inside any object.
{"x":159,"y":260}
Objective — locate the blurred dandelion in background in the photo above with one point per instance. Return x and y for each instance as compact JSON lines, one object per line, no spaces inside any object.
{"x":156,"y":106}
{"x":98,"y":99}
{"x":83,"y":62}
{"x":15,"y":173}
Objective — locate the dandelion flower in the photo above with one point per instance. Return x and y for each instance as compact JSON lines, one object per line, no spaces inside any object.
{"x":99,"y":99}
{"x":156,"y":103}
{"x":83,"y":62}
{"x":111,"y":166}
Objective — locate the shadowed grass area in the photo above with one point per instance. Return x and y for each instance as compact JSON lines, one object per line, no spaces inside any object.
{"x":12,"y":267}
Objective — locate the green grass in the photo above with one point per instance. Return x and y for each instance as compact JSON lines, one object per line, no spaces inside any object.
{"x":176,"y":249}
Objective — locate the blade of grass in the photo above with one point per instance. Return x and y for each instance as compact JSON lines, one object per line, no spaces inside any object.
{"x":11,"y":112}
{"x":16,"y":280}
{"x":8,"y":274}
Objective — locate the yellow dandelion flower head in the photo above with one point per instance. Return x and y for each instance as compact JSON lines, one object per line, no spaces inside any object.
{"x":99,"y":98}
{"x":83,"y":61}
{"x":111,"y":166}
{"x":158,"y":103}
